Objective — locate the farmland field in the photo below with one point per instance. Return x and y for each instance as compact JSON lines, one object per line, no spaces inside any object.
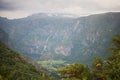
{"x":52,"y":65}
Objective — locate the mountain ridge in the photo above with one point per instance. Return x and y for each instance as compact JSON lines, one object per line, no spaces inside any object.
{"x":70,"y":39}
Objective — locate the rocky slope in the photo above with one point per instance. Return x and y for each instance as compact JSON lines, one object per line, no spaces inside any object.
{"x":49,"y":36}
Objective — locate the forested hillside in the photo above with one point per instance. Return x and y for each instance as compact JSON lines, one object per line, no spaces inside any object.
{"x":14,"y":66}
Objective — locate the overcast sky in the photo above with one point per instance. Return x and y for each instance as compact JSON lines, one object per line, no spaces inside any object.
{"x":21,"y":8}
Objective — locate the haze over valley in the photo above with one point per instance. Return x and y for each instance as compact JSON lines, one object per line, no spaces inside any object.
{"x":59,"y":40}
{"x":61,"y":37}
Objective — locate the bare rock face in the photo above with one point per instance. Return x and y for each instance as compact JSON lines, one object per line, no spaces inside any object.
{"x":74,"y":39}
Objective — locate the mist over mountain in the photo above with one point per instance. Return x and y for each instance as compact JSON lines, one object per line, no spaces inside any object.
{"x":61,"y":37}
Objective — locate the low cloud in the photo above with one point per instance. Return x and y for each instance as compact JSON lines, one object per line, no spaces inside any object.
{"x":79,"y":7}
{"x":7,"y":5}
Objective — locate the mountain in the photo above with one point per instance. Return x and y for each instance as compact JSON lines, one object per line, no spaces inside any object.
{"x":93,"y":35}
{"x":61,"y":37}
{"x":14,"y":66}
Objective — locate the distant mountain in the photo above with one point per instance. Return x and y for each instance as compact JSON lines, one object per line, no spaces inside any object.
{"x":14,"y":66}
{"x":93,"y":35}
{"x":57,"y":36}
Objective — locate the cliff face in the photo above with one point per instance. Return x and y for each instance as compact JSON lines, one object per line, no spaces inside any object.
{"x":68,"y":38}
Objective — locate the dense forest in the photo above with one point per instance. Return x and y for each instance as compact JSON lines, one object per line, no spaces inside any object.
{"x":108,"y":69}
{"x":14,"y":66}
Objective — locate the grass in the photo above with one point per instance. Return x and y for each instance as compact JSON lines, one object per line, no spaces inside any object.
{"x":51,"y":64}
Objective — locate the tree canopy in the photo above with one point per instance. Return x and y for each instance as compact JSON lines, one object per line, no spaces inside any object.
{"x":108,"y":69}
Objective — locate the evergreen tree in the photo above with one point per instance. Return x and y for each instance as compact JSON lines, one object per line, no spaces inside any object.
{"x":75,"y":72}
{"x":97,"y":68}
{"x":14,"y":66}
{"x":112,"y":66}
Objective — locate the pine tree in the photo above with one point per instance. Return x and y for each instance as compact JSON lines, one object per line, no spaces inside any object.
{"x":75,"y":72}
{"x":98,"y":69}
{"x":112,"y":66}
